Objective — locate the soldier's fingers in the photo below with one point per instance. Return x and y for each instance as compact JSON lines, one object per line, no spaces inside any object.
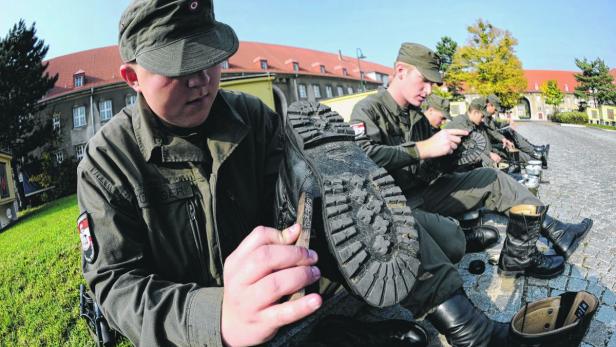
{"x":457,"y":132}
{"x":456,"y":139}
{"x":291,"y":311}
{"x":264,"y":236}
{"x":274,"y":286}
{"x":270,"y":258}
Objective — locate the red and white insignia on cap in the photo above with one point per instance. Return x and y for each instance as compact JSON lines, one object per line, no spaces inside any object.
{"x":194,"y":5}
{"x":359,"y":128}
{"x":87,"y":240}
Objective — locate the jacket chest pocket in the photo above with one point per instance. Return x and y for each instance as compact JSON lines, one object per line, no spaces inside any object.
{"x":177,"y":234}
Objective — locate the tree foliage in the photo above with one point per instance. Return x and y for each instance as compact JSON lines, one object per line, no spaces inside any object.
{"x":23,"y":82}
{"x":552,"y":94}
{"x":487,"y":64}
{"x":446,"y":49}
{"x":595,"y":82}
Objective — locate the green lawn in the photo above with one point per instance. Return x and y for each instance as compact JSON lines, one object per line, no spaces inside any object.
{"x":39,"y":279}
{"x":609,"y":127}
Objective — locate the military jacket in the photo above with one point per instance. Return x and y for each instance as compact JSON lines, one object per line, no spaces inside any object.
{"x":492,"y":129}
{"x":389,"y":134}
{"x":162,"y":222}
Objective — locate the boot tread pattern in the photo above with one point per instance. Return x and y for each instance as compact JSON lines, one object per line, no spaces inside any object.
{"x":315,"y":123}
{"x":471,"y":148}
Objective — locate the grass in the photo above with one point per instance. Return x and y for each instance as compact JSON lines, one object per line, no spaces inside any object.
{"x":609,"y":127}
{"x":40,"y":273}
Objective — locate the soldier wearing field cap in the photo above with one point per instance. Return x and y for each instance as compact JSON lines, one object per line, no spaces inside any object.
{"x":392,"y":131}
{"x":436,"y":110}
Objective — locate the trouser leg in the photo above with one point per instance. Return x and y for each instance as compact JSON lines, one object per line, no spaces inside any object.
{"x":454,"y":194}
{"x":522,"y":143}
{"x":445,"y":231}
{"x":524,"y":157}
{"x":438,"y":277}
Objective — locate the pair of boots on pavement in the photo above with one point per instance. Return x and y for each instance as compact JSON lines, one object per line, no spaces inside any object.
{"x":370,"y":233}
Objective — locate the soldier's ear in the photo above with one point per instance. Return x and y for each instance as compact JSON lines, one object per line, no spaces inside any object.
{"x":129,"y":75}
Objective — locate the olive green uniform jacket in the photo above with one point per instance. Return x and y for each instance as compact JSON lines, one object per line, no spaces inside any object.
{"x":163,"y":222}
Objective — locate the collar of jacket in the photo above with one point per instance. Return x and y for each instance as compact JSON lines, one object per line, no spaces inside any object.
{"x":391,"y":105}
{"x":225,"y":131}
{"x":469,"y":122}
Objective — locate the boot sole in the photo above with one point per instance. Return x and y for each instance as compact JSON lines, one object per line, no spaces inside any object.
{"x":516,"y":273}
{"x":369,"y":229}
{"x":471,"y":148}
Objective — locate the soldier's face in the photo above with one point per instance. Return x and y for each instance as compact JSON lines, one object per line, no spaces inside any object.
{"x":183,"y":101}
{"x":435,"y":117}
{"x":475,"y":116}
{"x":490,"y":108}
{"x":415,"y":87}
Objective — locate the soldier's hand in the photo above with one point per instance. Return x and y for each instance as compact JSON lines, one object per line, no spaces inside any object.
{"x":497,"y":158}
{"x":442,"y":143}
{"x":265,"y":267}
{"x":508,"y":144}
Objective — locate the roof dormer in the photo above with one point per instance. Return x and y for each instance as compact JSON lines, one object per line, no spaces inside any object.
{"x":79,"y":78}
{"x":261,"y":63}
{"x":294,"y":64}
{"x":319,"y":67}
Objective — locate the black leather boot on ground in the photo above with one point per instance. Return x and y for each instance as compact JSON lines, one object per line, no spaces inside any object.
{"x":566,"y":237}
{"x":480,"y":238}
{"x":359,"y":213}
{"x":520,"y":254}
{"x":463,"y":324}
{"x":341,"y":331}
{"x":558,"y":321}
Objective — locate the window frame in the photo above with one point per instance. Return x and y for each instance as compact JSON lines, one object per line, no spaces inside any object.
{"x":100,"y":110}
{"x":316,"y":90}
{"x":302,"y":89}
{"x":80,"y":148}
{"x":85,"y":117}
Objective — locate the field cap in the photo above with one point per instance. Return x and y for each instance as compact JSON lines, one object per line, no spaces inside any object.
{"x":495,"y":101}
{"x":437,"y":103}
{"x":424,"y":59}
{"x":479,"y":103}
{"x":174,"y":38}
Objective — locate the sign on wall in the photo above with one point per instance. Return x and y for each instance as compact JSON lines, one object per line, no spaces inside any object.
{"x":4,"y":182}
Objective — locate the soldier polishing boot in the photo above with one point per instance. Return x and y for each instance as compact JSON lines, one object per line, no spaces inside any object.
{"x":566,"y":237}
{"x":520,"y":254}
{"x":463,"y":324}
{"x":360,"y":215}
{"x":558,"y":321}
{"x":341,"y":331}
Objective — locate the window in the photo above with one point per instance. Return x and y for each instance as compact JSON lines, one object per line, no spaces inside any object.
{"x":350,"y":90}
{"x":106,"y":110}
{"x":302,"y":91}
{"x":80,"y":151}
{"x":296,"y":67}
{"x":59,"y":155}
{"x":56,"y":121}
{"x":345,"y":72}
{"x":131,"y":99}
{"x":79,"y":116}
{"x":610,"y":114}
{"x":225,"y":64}
{"x":78,"y":80}
{"x":322,"y":68}
{"x":317,"y":90}
{"x":329,"y":92}
{"x":263,"y":63}
{"x":340,"y":91}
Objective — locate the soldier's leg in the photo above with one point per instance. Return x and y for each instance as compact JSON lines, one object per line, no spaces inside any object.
{"x":445,"y":231}
{"x":521,"y":142}
{"x":454,"y":194}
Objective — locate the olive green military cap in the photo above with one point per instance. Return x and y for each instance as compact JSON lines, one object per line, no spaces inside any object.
{"x":479,"y":103}
{"x":437,"y":103}
{"x":423,"y":58}
{"x":495,"y":101}
{"x":174,"y":37}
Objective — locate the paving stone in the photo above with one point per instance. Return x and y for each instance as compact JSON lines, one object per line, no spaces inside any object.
{"x":559,"y":282}
{"x":578,"y":272}
{"x":609,"y":298}
{"x":535,"y":293}
{"x":597,"y":334}
{"x":606,"y":315}
{"x":576,"y":285}
{"x":612,"y":342}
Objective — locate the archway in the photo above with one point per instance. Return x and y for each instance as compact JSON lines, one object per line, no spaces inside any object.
{"x":523,"y":109}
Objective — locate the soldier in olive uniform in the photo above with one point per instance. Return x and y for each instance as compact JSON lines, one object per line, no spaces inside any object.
{"x":436,"y":110}
{"x":181,"y":183}
{"x":509,"y":137}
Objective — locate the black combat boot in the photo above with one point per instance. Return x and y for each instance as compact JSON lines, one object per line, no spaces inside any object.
{"x":554,"y":322}
{"x":514,"y":162}
{"x":463,"y":324}
{"x":359,"y":215}
{"x":566,"y":237}
{"x":541,"y":153}
{"x":336,"y":330}
{"x":520,"y":254}
{"x":480,"y":237}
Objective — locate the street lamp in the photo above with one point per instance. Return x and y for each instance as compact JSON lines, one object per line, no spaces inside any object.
{"x":360,"y":55}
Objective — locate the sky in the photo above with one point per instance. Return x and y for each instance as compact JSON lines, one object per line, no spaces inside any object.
{"x":550,"y":33}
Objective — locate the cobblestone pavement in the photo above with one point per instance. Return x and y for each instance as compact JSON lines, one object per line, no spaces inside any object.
{"x":582,"y":183}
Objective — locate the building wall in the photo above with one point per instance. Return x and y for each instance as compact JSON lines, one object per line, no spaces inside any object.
{"x":537,"y":107}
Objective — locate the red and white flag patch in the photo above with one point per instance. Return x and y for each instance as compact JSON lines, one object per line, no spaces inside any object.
{"x":86,"y":237}
{"x":359,"y":128}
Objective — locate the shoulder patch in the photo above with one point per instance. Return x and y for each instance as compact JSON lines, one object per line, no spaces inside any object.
{"x":88,"y":244}
{"x":359,"y":128}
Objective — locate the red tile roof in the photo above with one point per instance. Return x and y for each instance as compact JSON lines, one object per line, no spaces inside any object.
{"x":101,"y":65}
{"x":564,"y":79}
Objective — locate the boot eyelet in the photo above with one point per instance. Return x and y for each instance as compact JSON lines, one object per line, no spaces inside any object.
{"x":550,"y":311}
{"x":546,"y":327}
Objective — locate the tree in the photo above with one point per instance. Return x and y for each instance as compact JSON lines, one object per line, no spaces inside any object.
{"x":488,"y":64}
{"x":446,"y":49}
{"x":552,"y":94}
{"x":23,"y":82}
{"x":595,"y":82}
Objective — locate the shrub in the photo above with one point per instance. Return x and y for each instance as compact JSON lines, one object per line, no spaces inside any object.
{"x":570,"y":117}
